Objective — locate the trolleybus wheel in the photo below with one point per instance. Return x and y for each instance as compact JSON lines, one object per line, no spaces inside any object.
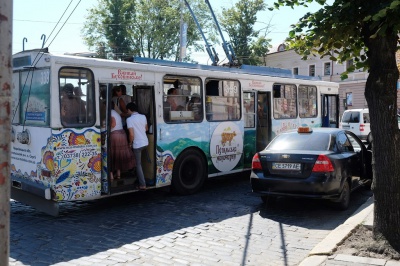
{"x":189,"y":172}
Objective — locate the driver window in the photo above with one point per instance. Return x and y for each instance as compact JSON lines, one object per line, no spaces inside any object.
{"x":343,"y":142}
{"x":356,"y":145}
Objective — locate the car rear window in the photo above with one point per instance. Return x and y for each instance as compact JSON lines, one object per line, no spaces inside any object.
{"x":316,"y":141}
{"x":351,"y":117}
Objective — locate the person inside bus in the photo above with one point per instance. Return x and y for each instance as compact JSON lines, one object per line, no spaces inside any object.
{"x":69,"y":105}
{"x":172,"y":99}
{"x":82,"y":104}
{"x":171,"y":104}
{"x":127,"y":99}
{"x":195,"y":106}
{"x":122,"y":157}
{"x":137,"y":126}
{"x":119,"y":104}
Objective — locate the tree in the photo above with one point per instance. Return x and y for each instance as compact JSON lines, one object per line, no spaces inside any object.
{"x":238,"y":22}
{"x":110,"y":36}
{"x":144,"y":28}
{"x":368,"y":32}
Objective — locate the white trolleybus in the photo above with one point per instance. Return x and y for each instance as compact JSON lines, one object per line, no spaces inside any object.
{"x":234,"y":113}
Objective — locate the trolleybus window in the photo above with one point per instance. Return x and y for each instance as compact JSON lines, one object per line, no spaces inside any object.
{"x":33,"y":107}
{"x":285,"y":97}
{"x":183,"y":101}
{"x":307,"y":101}
{"x":249,"y":109}
{"x":223,"y":100}
{"x":76,"y":97}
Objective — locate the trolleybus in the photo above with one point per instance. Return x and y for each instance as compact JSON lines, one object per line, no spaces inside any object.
{"x":235,"y":112}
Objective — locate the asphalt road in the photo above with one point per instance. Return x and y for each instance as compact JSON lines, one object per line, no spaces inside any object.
{"x":224,"y":224}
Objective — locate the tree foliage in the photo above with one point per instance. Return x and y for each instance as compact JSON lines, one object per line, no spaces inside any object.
{"x":238,"y":21}
{"x":368,"y":32}
{"x":144,"y":28}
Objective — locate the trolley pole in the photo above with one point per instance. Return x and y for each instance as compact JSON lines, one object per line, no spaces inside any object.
{"x":5,"y":126}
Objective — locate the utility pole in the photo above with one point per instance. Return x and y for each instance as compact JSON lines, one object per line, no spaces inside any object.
{"x":5,"y":126}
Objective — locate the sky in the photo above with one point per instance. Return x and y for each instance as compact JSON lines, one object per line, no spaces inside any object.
{"x":33,"y":18}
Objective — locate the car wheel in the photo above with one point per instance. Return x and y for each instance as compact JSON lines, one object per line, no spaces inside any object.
{"x":344,"y":199}
{"x":189,"y":172}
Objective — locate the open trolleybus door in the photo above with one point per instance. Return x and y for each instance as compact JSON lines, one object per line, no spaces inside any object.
{"x":105,"y":96}
{"x":257,"y":123}
{"x":264,"y":123}
{"x":143,"y":96}
{"x":330,"y":110}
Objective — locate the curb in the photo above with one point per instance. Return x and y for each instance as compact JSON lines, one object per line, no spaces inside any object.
{"x":329,"y":244}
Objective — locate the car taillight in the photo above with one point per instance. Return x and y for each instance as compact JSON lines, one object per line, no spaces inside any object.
{"x":362,"y":127}
{"x":256,"y":164}
{"x":323,"y":164}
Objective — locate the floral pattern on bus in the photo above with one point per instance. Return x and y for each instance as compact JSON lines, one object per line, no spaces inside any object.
{"x":73,"y":158}
{"x":165,"y":163}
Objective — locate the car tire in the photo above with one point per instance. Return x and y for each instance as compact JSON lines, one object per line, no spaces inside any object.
{"x":344,"y":199}
{"x":189,"y":172}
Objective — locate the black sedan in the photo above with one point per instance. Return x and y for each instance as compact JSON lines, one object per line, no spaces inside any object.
{"x":319,"y":163}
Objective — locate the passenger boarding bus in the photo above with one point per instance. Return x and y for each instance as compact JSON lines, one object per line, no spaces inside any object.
{"x":225,"y":115}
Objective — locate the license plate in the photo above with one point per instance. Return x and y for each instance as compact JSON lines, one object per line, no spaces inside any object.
{"x":286,"y":166}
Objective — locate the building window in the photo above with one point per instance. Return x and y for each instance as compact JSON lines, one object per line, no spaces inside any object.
{"x":295,"y":71}
{"x":311,"y":70}
{"x":327,"y":69}
{"x":349,"y":99}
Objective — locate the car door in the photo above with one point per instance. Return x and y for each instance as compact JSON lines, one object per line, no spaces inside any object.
{"x":365,"y":155}
{"x":360,"y":161}
{"x":352,"y":156}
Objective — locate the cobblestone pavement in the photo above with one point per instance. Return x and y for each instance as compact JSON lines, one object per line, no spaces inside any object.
{"x":224,"y":224}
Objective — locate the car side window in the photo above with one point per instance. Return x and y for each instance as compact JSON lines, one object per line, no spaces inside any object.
{"x":343,"y":142}
{"x":356,"y":145}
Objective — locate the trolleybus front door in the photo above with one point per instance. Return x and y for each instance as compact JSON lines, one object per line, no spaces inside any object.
{"x":330,"y":110}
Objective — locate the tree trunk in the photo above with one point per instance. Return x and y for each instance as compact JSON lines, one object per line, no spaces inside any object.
{"x":381,"y":96}
{"x":5,"y":97}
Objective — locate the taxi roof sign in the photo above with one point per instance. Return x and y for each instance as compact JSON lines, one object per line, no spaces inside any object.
{"x":304,"y":130}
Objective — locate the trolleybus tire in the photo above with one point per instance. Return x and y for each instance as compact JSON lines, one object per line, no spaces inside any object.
{"x":189,"y":172}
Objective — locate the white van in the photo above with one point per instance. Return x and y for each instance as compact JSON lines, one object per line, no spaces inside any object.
{"x":351,"y":120}
{"x":357,"y":121}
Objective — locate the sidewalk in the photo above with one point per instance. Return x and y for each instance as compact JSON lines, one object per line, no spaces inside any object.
{"x":323,"y":253}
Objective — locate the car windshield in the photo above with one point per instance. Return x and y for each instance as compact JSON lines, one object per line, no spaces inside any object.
{"x":315,"y":141}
